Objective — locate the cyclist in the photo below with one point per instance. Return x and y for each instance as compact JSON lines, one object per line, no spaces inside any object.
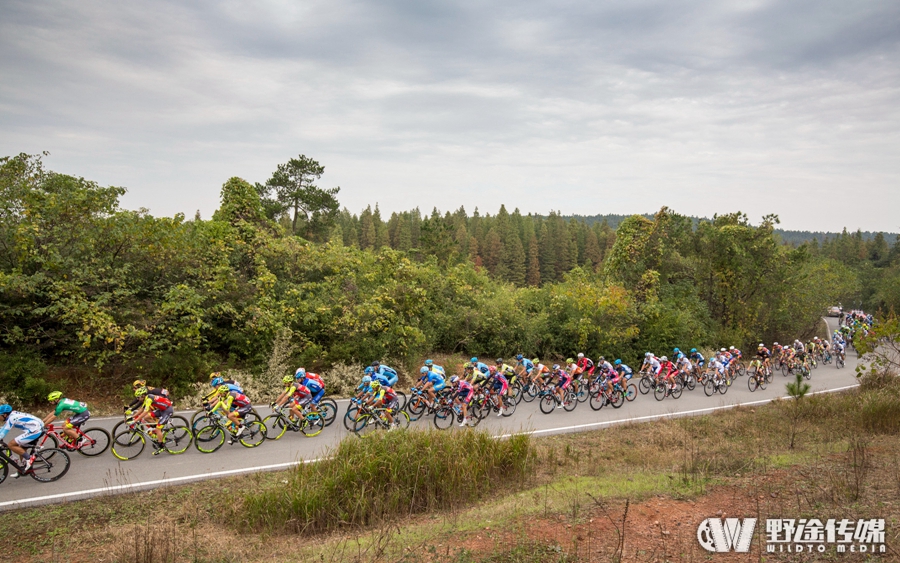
{"x":464,"y":394}
{"x":586,"y":364}
{"x":506,"y":370}
{"x":677,"y":354}
{"x":540,"y":370}
{"x":500,"y":385}
{"x":603,"y":364}
{"x":683,"y":364}
{"x":301,"y":396}
{"x":697,"y":358}
{"x":156,"y":408}
{"x":435,"y":368}
{"x":480,"y":371}
{"x":432,"y":381}
{"x":235,"y":406}
{"x":79,"y":410}
{"x":31,"y":427}
{"x":718,"y":365}
{"x":313,"y":382}
{"x":526,"y":365}
{"x":138,"y":401}
{"x":651,"y":364}
{"x":386,"y":375}
{"x":669,"y":369}
{"x":839,"y":349}
{"x":764,"y":354}
{"x":563,"y":379}
{"x":384,"y":396}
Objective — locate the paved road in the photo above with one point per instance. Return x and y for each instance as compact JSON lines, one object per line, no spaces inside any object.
{"x":107,"y":475}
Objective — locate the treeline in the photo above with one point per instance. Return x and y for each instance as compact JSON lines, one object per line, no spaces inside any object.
{"x":124,"y":294}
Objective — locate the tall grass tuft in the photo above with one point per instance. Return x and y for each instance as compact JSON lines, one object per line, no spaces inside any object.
{"x":388,"y":475}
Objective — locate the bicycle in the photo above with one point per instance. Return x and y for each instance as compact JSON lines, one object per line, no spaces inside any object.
{"x":664,"y":389}
{"x":176,"y":420}
{"x":550,"y":400}
{"x":757,"y":380}
{"x":715,"y":384}
{"x":371,"y":418}
{"x":484,"y":403}
{"x":90,"y":442}
{"x":212,"y":433}
{"x":49,"y":464}
{"x":311,"y":424}
{"x":603,"y":397}
{"x":129,"y":442}
{"x":445,"y":417}
{"x":418,"y":402}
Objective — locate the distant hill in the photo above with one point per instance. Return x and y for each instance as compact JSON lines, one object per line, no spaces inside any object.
{"x":790,"y":237}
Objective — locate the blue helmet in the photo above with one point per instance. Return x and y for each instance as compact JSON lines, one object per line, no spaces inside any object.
{"x":429,"y":362}
{"x":424,"y":370}
{"x":5,"y":409}
{"x":519,"y":357}
{"x":693,"y":350}
{"x":376,"y":363}
{"x":300,"y":373}
{"x":217,"y":381}
{"x":618,"y":362}
{"x":366,"y":380}
{"x":474,"y":360}
{"x":676,"y":350}
{"x":369,"y":370}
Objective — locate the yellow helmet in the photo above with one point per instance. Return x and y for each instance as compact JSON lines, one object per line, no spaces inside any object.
{"x":138,"y":383}
{"x":140,"y":392}
{"x":214,"y":375}
{"x":223,"y":389}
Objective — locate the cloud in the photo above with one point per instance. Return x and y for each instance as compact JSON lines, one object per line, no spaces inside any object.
{"x":580,"y":106}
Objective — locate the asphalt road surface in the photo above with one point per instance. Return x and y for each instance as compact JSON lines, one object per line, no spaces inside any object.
{"x":103,"y":475}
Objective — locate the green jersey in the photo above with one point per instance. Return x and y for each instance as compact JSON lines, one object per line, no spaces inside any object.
{"x":76,"y":407}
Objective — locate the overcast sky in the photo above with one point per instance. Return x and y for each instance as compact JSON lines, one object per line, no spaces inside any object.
{"x":580,"y":106}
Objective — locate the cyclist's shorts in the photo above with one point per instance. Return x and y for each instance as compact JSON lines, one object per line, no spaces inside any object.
{"x":501,"y":386}
{"x":242,"y":411}
{"x":564,"y":381}
{"x":317,"y":395}
{"x":614,"y":380}
{"x":79,"y":419}
{"x":301,"y":401}
{"x":439,"y":386}
{"x":163,"y":416}
{"x":393,"y":404}
{"x":466,"y":395}
{"x":29,"y":436}
{"x":629,"y":374}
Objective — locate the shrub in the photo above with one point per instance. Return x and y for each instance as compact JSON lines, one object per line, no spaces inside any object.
{"x":386,"y":476}
{"x":20,"y":377}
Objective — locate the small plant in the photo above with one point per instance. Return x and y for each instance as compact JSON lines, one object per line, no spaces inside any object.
{"x":797,"y":389}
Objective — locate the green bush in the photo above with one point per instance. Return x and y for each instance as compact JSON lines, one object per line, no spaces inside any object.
{"x":20,"y":377}
{"x":386,"y":476}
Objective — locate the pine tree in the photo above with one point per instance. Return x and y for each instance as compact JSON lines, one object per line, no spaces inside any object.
{"x":493,"y":250}
{"x":592,"y":255}
{"x":547,"y":255}
{"x":367,"y":233}
{"x":533,"y":271}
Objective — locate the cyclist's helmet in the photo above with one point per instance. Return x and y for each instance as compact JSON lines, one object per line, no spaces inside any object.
{"x":520,"y":357}
{"x":676,"y":350}
{"x":287,"y":379}
{"x":366,"y":380}
{"x":761,"y":345}
{"x":54,"y":396}
{"x":602,"y":359}
{"x":429,"y":363}
{"x":474,"y":360}
{"x":580,"y":355}
{"x":5,"y":410}
{"x":376,"y":364}
{"x":555,"y":367}
{"x":454,"y":380}
{"x":424,"y":370}
{"x":722,"y":350}
{"x":665,"y":358}
{"x":618,"y":362}
{"x":223,"y":389}
{"x":693,"y":350}
{"x":499,"y":361}
{"x":214,"y":375}
{"x":570,"y":361}
{"x":369,"y":370}
{"x":535,"y":361}
{"x":774,"y":344}
{"x":138,"y":383}
{"x":376,"y":385}
{"x":492,"y":369}
{"x":140,"y":392}
{"x":731,"y":347}
{"x":648,"y":354}
{"x":217,"y":381}
{"x":300,"y":373}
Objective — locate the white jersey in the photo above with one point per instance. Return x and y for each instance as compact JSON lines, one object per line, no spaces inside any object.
{"x":23,"y":421}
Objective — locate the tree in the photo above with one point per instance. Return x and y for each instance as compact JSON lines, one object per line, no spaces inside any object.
{"x":533,"y":272}
{"x":295,"y":190}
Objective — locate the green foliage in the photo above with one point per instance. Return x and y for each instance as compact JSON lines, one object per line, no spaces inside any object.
{"x":20,"y":377}
{"x":387,"y":476}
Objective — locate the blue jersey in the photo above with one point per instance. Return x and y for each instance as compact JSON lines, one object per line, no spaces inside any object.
{"x":527,"y":364}
{"x":435,"y":377}
{"x":386,"y":371}
{"x":624,"y":369}
{"x":483,"y":368}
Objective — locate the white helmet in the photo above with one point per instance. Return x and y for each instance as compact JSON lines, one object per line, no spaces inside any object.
{"x":580,"y":355}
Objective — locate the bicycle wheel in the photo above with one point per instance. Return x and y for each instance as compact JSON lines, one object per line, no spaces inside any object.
{"x":255,"y":433}
{"x":416,"y":407}
{"x":645,"y":385}
{"x":128,"y":444}
{"x":659,"y":392}
{"x":509,"y":406}
{"x":530,"y":392}
{"x":597,"y":400}
{"x":617,"y":399}
{"x":96,"y":442}
{"x":784,"y":370}
{"x":548,"y":403}
{"x":202,"y":423}
{"x":350,"y":416}
{"x":401,"y":419}
{"x":676,"y":392}
{"x":177,"y":439}
{"x":197,"y":414}
{"x":49,"y":465}
{"x":630,"y":392}
{"x":752,"y":383}
{"x":807,"y":373}
{"x":275,"y":426}
{"x":763,"y":383}
{"x":583,"y":394}
{"x":329,"y":410}
{"x":571,"y":401}
{"x":723,"y":387}
{"x":444,"y":417}
{"x":4,"y":470}
{"x":710,"y":387}
{"x":209,"y":439}
{"x":515,"y":392}
{"x":364,"y":424}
